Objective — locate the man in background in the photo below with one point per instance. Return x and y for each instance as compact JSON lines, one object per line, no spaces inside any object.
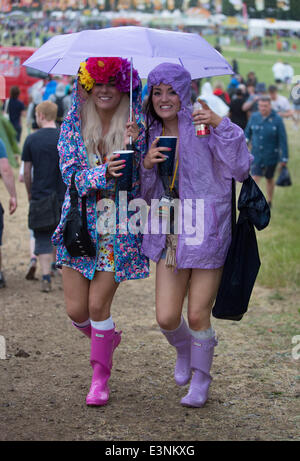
{"x":7,"y":175}
{"x":266,"y":132}
{"x":40,"y":153}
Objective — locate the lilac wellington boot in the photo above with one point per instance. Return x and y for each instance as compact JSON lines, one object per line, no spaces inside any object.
{"x":87,"y":331}
{"x":202,"y":352}
{"x":103,"y":344}
{"x":181,"y":340}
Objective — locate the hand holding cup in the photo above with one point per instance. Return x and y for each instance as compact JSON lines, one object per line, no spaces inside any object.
{"x":155,"y":155}
{"x":115,"y":166}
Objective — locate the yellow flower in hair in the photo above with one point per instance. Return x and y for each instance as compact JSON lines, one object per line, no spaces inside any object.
{"x":85,"y":78}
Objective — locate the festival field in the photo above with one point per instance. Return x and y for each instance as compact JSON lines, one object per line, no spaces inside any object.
{"x":255,"y":390}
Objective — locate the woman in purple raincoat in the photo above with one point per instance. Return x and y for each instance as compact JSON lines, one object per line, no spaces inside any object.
{"x":96,"y":126}
{"x":191,"y":257}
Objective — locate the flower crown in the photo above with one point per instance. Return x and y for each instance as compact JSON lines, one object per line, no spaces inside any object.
{"x":101,"y":70}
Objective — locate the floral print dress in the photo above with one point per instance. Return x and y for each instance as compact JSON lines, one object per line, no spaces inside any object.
{"x":121,"y":252}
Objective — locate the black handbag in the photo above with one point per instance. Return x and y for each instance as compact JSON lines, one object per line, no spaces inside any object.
{"x":242,"y":262}
{"x":44,"y":214}
{"x":75,"y":233}
{"x":284,"y":178}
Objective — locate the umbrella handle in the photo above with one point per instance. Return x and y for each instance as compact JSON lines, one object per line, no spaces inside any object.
{"x":130,"y":99}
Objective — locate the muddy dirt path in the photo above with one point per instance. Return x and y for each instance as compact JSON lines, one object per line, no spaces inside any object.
{"x":46,"y":374}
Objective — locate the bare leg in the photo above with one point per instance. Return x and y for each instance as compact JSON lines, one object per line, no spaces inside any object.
{"x":270,"y":185}
{"x":45,"y":263}
{"x":102,"y":290}
{"x":257,"y":179}
{"x":202,"y":293}
{"x":76,"y":293}
{"x":170,"y":291}
{"x":31,"y":246}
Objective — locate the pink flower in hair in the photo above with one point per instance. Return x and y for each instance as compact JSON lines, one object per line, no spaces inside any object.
{"x":102,"y":69}
{"x":123,"y":77}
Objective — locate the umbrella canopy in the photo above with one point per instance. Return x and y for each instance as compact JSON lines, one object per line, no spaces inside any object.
{"x":147,"y":47}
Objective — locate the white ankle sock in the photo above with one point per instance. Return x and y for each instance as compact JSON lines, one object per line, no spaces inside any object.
{"x":83,"y":324}
{"x":203,"y":334}
{"x":107,"y":324}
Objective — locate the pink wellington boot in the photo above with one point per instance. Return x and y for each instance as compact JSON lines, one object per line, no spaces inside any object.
{"x":181,"y":340}
{"x":103,"y":344}
{"x":87,"y":331}
{"x":202,"y":352}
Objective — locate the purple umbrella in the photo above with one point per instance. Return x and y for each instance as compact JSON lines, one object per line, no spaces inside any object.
{"x":147,"y":47}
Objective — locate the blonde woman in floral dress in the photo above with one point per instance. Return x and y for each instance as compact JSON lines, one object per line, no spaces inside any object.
{"x":96,"y":126}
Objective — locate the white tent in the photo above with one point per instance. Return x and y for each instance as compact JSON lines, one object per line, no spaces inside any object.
{"x":257,"y":27}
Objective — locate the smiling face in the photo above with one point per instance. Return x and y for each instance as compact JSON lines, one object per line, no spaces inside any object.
{"x":166,"y":102}
{"x":106,"y":96}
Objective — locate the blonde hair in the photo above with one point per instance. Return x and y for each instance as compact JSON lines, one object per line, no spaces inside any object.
{"x":48,"y":109}
{"x":91,"y":129}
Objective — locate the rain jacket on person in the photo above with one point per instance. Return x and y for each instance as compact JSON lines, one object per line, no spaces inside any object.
{"x":206,"y":168}
{"x":130,"y":263}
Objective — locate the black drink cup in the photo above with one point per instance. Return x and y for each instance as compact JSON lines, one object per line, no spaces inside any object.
{"x":125,"y":181}
{"x":166,"y":168}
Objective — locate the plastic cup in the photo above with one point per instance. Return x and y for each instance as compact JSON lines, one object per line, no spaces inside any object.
{"x":125,"y":181}
{"x":166,"y":168}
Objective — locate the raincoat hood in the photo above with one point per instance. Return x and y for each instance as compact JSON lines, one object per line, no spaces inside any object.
{"x":180,"y":80}
{"x":176,"y":76}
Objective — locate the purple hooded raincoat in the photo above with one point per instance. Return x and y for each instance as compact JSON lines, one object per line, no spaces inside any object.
{"x":206,"y":167}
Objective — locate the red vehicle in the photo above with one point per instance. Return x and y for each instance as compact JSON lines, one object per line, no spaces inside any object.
{"x":11,"y":59}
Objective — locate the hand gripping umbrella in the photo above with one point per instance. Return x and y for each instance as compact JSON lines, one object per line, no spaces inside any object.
{"x":145,"y":47}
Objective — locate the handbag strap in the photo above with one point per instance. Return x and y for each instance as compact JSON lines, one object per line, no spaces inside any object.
{"x":73,"y":192}
{"x":74,"y":201}
{"x":233,"y":207}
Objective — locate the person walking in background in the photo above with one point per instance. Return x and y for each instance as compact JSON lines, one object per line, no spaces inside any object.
{"x":203,"y":169}
{"x":36,"y":94}
{"x":7,"y":175}
{"x":96,"y":126}
{"x":288,"y":75}
{"x":295,"y":98}
{"x":278,"y":70}
{"x":16,"y":110}
{"x":30,"y":274}
{"x":266,"y":133}
{"x":251,"y":79}
{"x":219,"y":90}
{"x":50,"y":88}
{"x":280,"y":104}
{"x":237,"y":115}
{"x":42,"y":178}
{"x":251,"y":104}
{"x":63,"y":102}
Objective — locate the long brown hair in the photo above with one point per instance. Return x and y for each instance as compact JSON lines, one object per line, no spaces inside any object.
{"x":150,"y":116}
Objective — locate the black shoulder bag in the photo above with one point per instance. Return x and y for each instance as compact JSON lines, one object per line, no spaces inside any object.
{"x":242,"y":262}
{"x":75,"y":233}
{"x":44,"y":214}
